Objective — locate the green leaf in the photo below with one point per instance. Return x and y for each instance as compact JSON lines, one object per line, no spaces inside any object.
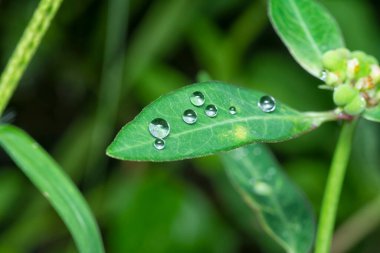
{"x":210,"y":135}
{"x":372,"y":114}
{"x":307,"y":29}
{"x":283,"y":210}
{"x":48,"y":177}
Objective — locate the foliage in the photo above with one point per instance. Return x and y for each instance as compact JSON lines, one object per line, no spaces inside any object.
{"x":186,"y":206}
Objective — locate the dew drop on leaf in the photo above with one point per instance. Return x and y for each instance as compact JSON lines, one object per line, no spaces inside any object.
{"x":159,"y":128}
{"x":323,"y":75}
{"x":197,"y":98}
{"x":189,"y":116}
{"x":232,"y":110}
{"x":211,"y":111}
{"x":267,"y":104}
{"x":159,"y":144}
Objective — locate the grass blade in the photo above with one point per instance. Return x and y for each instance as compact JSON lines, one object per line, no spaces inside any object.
{"x":48,"y":177}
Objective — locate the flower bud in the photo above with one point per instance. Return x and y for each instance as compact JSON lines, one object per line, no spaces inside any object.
{"x":365,"y":61}
{"x":356,"y":106}
{"x":344,"y":94}
{"x":335,"y":59}
{"x":353,"y":67}
{"x":375,"y":73}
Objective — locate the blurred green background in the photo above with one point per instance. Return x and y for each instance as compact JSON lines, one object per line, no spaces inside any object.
{"x":103,"y":61}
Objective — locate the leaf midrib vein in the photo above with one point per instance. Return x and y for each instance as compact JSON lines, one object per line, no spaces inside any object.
{"x":304,"y":28}
{"x":238,"y":120}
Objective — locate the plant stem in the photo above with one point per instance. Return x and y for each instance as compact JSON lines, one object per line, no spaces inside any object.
{"x":333,"y":188}
{"x":26,"y":48}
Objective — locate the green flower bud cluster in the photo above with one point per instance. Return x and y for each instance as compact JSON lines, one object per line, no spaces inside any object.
{"x":355,"y":78}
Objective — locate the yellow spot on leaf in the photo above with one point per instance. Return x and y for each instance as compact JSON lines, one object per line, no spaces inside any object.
{"x":240,"y":132}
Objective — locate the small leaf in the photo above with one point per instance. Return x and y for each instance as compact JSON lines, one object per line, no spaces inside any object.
{"x":372,"y":114}
{"x":230,"y":117}
{"x":283,"y":210}
{"x":307,"y":29}
{"x":48,"y":177}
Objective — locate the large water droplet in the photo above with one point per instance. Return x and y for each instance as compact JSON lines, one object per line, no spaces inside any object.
{"x":197,"y":98}
{"x":267,"y":104}
{"x":159,"y":128}
{"x":189,"y":116}
{"x":211,"y":111}
{"x":232,"y":110}
{"x":159,"y":144}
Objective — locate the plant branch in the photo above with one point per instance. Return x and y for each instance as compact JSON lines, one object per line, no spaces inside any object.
{"x":26,"y":48}
{"x":333,"y":188}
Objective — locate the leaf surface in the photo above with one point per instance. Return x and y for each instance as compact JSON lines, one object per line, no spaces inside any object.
{"x":48,"y":177}
{"x":307,"y":29}
{"x":372,"y":114}
{"x":209,"y":135}
{"x":283,"y":210}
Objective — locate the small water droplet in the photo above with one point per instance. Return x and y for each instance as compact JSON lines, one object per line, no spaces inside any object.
{"x":159,"y":128}
{"x":211,"y":111}
{"x":323,"y":75}
{"x":232,"y":110}
{"x":159,"y":144}
{"x":189,"y":116}
{"x":267,"y":104}
{"x":197,"y":98}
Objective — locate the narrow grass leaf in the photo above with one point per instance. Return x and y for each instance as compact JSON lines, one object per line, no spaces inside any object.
{"x":307,"y":29}
{"x":284,"y":212}
{"x":48,"y":177}
{"x":372,"y":114}
{"x":221,"y":118}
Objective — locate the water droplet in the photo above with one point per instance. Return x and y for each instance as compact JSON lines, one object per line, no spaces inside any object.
{"x":159,"y":144}
{"x":189,"y":116}
{"x":267,"y":104}
{"x":323,"y":75}
{"x":159,"y":128}
{"x":197,"y":98}
{"x":232,"y":110}
{"x":211,"y":111}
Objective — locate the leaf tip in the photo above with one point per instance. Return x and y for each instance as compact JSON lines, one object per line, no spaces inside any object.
{"x":110,"y":151}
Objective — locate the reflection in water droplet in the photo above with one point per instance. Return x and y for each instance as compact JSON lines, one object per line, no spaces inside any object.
{"x":159,"y":128}
{"x":323,"y":75}
{"x":197,"y":98}
{"x":189,"y":116}
{"x":232,"y":110}
{"x":211,"y":111}
{"x":267,"y":104}
{"x":159,"y":144}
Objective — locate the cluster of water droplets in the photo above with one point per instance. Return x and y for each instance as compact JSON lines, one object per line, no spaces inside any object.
{"x":159,"y":128}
